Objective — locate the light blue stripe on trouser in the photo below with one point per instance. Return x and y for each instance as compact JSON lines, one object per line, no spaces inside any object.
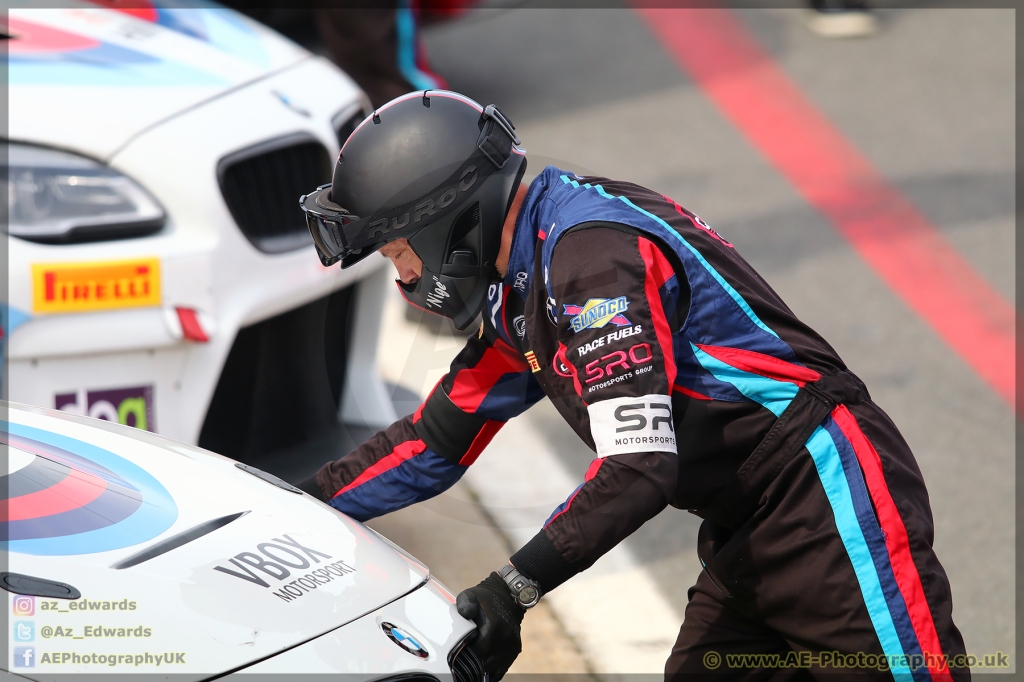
{"x":776,"y":396}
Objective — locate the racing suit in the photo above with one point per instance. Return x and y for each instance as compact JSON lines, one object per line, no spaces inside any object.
{"x":697,"y":388}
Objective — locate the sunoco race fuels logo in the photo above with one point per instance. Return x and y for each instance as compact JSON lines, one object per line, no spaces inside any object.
{"x":597,"y":312}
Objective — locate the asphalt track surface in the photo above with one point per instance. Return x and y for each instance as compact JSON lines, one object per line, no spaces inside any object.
{"x":927,"y":105}
{"x":871,"y":182}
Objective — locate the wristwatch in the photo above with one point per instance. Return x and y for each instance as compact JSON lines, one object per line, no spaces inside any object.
{"x":526,"y":592}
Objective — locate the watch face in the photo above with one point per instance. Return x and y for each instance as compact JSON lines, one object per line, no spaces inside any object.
{"x":528,"y":595}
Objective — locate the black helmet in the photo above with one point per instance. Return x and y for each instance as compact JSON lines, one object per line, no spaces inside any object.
{"x":435,"y":168}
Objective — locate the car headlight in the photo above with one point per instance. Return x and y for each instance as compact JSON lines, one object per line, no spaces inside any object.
{"x":57,"y":197}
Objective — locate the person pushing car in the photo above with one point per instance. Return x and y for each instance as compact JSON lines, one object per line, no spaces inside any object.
{"x":692,"y":381}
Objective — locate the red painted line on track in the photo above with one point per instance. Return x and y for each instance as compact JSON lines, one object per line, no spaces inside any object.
{"x":910,"y":255}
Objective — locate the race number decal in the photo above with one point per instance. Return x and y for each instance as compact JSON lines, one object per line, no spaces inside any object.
{"x":641,"y":424}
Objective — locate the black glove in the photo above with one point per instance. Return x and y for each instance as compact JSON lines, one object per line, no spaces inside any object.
{"x":498,"y":619}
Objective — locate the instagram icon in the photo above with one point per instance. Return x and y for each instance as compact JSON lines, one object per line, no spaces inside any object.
{"x":24,"y":606}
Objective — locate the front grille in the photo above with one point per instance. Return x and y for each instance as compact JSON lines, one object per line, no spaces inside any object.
{"x":465,"y":664}
{"x":262,"y":185}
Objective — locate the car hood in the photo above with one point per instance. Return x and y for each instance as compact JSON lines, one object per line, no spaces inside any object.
{"x":88,"y":79}
{"x":174,"y":549}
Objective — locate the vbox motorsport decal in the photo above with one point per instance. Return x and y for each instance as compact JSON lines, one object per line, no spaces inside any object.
{"x":64,"y":496}
{"x":596,"y":313}
{"x":629,"y":424}
{"x":278,"y":556}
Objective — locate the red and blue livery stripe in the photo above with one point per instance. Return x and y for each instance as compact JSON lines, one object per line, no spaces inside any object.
{"x":73,"y":497}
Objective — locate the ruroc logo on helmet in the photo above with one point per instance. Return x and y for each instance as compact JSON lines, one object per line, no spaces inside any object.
{"x":426,"y":208}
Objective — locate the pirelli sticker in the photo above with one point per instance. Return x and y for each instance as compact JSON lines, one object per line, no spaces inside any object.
{"x":104,"y":285}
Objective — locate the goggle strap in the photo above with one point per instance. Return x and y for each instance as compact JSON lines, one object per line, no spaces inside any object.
{"x":370,"y":231}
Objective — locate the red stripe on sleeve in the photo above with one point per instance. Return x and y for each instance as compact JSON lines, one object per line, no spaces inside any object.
{"x":692,"y":394}
{"x":567,"y":505}
{"x":472,"y":384}
{"x":483,"y":437}
{"x":759,"y":363}
{"x":896,"y":539}
{"x":658,"y":272}
{"x":592,"y":469}
{"x":591,"y":472}
{"x":418,"y":414}
{"x":659,"y":268}
{"x":402,"y":452}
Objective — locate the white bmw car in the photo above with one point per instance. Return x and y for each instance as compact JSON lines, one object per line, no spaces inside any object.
{"x":160,"y":273}
{"x":126,"y":552}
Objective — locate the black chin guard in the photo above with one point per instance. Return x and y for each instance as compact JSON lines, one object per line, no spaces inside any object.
{"x":451,"y":297}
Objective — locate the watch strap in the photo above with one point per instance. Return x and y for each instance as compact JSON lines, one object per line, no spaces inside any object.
{"x":525,"y":591}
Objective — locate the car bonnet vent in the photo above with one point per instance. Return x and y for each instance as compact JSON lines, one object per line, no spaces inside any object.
{"x":37,"y":587}
{"x":176,"y":541}
{"x":269,"y":478}
{"x":261,"y":186}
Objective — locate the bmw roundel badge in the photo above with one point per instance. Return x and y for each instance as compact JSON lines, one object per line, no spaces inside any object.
{"x":404,"y":640}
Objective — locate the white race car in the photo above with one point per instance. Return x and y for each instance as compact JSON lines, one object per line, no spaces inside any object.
{"x":127,"y":552}
{"x":160,"y":272}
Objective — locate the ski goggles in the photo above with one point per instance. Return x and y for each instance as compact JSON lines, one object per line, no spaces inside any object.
{"x":327,"y":222}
